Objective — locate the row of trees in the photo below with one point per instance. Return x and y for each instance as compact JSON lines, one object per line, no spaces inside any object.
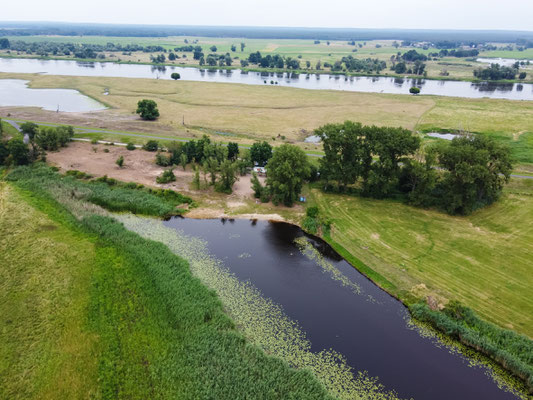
{"x":497,"y":72}
{"x":380,"y":162}
{"x":40,"y":140}
{"x":273,"y":61}
{"x":79,"y":50}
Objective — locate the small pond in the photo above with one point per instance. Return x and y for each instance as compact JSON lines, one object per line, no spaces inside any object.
{"x":445,"y":136}
{"x":368,"y":84}
{"x":16,"y":93}
{"x":339,"y":308}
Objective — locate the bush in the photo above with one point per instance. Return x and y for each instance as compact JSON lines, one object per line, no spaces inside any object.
{"x":130,"y":146}
{"x":120,"y":161}
{"x":166,"y":177}
{"x":162,"y":160}
{"x":151,"y":145}
{"x":78,"y":174}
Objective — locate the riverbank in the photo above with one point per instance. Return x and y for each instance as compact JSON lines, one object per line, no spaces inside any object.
{"x":387,"y":74}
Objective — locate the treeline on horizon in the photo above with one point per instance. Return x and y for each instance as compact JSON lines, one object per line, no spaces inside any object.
{"x":10,"y":28}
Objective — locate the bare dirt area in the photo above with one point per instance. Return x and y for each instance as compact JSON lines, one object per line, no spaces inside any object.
{"x":139,"y":166}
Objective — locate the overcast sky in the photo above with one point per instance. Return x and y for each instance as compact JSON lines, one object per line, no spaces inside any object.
{"x":427,"y":14}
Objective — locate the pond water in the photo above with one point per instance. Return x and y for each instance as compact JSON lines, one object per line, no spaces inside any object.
{"x":16,"y":93}
{"x":367,"y":326}
{"x":445,"y":136}
{"x":304,"y":81}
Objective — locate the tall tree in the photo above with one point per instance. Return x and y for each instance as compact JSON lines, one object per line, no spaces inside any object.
{"x":287,"y":170}
{"x":147,"y":109}
{"x":476,"y":168}
{"x":260,"y":153}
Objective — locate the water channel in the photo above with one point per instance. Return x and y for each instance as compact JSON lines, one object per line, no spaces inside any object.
{"x":511,"y":91}
{"x":339,"y":308}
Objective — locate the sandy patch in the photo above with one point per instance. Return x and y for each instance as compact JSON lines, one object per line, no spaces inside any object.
{"x":139,"y":166}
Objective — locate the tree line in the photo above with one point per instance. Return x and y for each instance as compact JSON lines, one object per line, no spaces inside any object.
{"x":459,"y":177}
{"x":497,"y":72}
{"x":39,"y":140}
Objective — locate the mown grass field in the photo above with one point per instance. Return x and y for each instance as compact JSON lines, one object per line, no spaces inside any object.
{"x":90,"y":310}
{"x":483,"y":260}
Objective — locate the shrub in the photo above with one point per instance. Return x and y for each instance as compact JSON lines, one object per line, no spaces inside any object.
{"x":162,"y":160}
{"x":130,"y":146}
{"x":166,"y":177}
{"x":120,"y":161}
{"x":151,"y":145}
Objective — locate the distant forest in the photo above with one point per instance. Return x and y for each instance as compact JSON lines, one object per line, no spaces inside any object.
{"x":77,"y":29}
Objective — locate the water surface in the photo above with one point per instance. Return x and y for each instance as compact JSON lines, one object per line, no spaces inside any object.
{"x":304,"y":81}
{"x":367,"y":326}
{"x":16,"y":93}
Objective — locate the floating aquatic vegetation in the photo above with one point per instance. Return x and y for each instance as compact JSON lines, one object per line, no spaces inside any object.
{"x":244,"y":255}
{"x":261,"y":320}
{"x":503,"y":379}
{"x":313,"y":254}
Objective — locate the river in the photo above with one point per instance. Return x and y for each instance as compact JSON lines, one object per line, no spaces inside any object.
{"x":511,"y":91}
{"x":337,"y":307}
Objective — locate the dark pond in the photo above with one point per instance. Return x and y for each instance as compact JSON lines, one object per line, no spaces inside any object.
{"x":304,"y":81}
{"x":369,"y":328}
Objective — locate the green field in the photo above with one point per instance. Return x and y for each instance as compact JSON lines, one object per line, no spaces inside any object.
{"x":483,"y":260}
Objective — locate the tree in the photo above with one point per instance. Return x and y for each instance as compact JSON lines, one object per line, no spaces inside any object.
{"x":348,"y":152}
{"x":414,"y":90}
{"x":419,"y":179}
{"x":4,"y":43}
{"x":30,"y":129}
{"x":287,"y":170}
{"x":147,"y":109}
{"x":171,"y":56}
{"x":120,"y":161}
{"x":213,"y":49}
{"x":18,"y":152}
{"x":233,"y":150}
{"x":4,"y":152}
{"x":522,"y":75}
{"x":260,"y":153}
{"x":175,"y":76}
{"x":227,"y":177}
{"x":243,"y":45}
{"x":400,"y":68}
{"x":257,"y":187}
{"x":233,"y":48}
{"x":183,"y":161}
{"x":476,"y":168}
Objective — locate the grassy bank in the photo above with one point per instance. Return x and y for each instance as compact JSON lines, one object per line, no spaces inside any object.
{"x":482,"y":260}
{"x":91,"y":310}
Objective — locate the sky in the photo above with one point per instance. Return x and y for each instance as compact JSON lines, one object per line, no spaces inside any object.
{"x":410,"y":14}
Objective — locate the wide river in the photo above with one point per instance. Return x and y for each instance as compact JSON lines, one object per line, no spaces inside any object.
{"x":368,"y":326}
{"x":511,"y":91}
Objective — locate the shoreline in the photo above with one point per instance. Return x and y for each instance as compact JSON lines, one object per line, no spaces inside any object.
{"x":276,"y":70}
